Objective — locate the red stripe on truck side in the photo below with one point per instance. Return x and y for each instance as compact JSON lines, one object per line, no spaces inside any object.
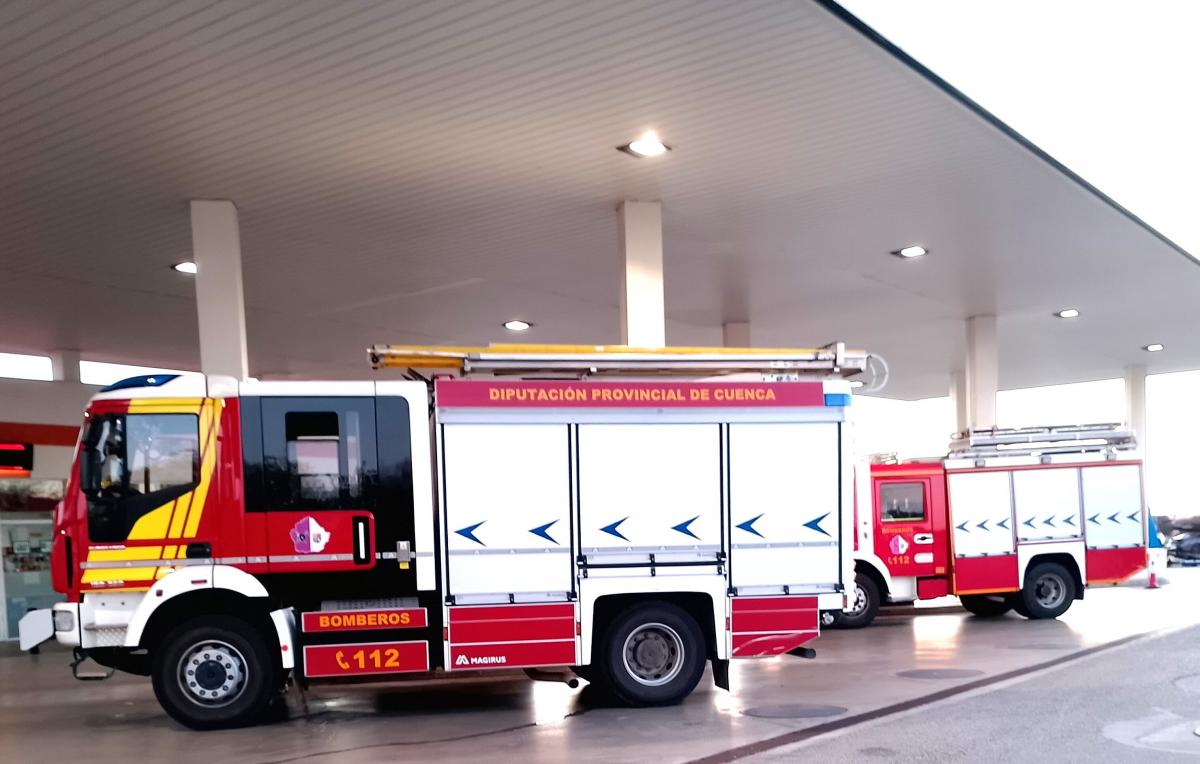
{"x":517,"y":654}
{"x":765,"y":645}
{"x":775,"y":620}
{"x":746,"y":604}
{"x":1112,"y":566}
{"x":464,"y":613}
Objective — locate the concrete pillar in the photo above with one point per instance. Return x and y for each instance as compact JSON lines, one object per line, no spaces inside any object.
{"x":1135,"y":401}
{"x":736,"y":334}
{"x":958,"y":399}
{"x":643,"y":316}
{"x":217,"y":251}
{"x":64,"y":365}
{"x":982,"y":372}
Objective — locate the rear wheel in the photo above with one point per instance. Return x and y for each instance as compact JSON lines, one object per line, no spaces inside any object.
{"x":985,"y":605}
{"x":652,"y":655}
{"x":214,"y":672}
{"x":864,"y":604}
{"x":1049,"y":590}
{"x":1016,"y":601}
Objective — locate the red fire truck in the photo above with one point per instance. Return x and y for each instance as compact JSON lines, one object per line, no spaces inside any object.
{"x":1012,"y":519}
{"x":630,"y":515}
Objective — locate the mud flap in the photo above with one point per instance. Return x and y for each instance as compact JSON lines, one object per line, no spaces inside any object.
{"x":720,"y":669}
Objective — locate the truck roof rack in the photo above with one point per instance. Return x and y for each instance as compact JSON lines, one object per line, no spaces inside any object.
{"x":1030,"y":441}
{"x":830,"y":360}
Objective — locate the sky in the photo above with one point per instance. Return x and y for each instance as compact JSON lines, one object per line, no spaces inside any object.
{"x":1112,"y":90}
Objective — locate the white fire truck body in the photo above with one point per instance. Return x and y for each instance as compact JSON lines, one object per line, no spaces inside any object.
{"x":631,"y":518}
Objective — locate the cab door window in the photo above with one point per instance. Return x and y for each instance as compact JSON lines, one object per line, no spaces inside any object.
{"x":132,"y":464}
{"x":902,"y":502}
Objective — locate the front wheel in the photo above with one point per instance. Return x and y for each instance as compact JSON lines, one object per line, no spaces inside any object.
{"x":864,"y":604}
{"x":214,"y":672}
{"x":1049,"y":590}
{"x":985,"y":605}
{"x":652,"y":655}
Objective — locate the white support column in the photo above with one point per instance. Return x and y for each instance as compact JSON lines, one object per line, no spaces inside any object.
{"x":958,"y":399}
{"x":736,"y":334}
{"x":982,"y":372}
{"x":64,"y":365}
{"x":1135,"y":402}
{"x":643,"y":316}
{"x":217,"y":251}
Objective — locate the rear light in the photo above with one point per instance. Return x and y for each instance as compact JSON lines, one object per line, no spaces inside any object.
{"x":64,"y":620}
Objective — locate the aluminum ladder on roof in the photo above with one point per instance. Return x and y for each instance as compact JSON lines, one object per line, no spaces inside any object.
{"x":1034,"y":441}
{"x":590,"y":360}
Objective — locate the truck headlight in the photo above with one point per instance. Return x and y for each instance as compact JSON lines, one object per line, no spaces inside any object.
{"x":64,"y":620}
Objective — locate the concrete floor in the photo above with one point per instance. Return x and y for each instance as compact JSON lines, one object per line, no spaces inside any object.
{"x":45,"y":715}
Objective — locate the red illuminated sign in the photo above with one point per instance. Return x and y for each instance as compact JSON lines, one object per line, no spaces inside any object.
{"x":364,"y":620}
{"x":365,"y":658}
{"x":572,"y":394}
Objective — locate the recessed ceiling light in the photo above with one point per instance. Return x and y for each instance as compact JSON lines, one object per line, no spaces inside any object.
{"x":913,"y":250}
{"x":1153,"y":347}
{"x":646,"y":146}
{"x":185,"y":267}
{"x":517,"y":325}
{"x":1068,"y":313}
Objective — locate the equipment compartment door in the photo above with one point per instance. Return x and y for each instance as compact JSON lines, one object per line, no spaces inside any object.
{"x":649,"y":493}
{"x":784,"y":510}
{"x":507,"y":502}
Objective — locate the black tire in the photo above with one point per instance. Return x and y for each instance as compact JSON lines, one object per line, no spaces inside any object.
{"x":985,"y":605}
{"x":864,"y":604}
{"x":1016,"y":601}
{"x":1049,"y":590}
{"x":652,"y":655}
{"x":225,"y":656}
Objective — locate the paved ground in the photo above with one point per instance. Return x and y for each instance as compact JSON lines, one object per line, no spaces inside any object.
{"x":44,"y":714}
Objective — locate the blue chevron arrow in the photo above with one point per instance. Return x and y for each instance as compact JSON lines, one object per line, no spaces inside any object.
{"x":611,"y":528}
{"x":815,"y":524}
{"x":962,"y":527}
{"x":1028,"y":522}
{"x":748,"y":526}
{"x":1003,"y":523}
{"x":1093,"y":519}
{"x":982,"y":524}
{"x":1070,"y":520}
{"x":684,"y":529}
{"x":1113,"y":517}
{"x":1133,"y":516}
{"x":1048,"y":521}
{"x":469,"y":532}
{"x":544,"y":531}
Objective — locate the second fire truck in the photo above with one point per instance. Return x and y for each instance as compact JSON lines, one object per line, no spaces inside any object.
{"x":1012,"y":519}
{"x":631,"y":515}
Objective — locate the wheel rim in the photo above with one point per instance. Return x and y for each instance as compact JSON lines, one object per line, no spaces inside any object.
{"x":861,"y":600}
{"x":653,"y":654}
{"x":1050,"y":591}
{"x":212,"y":674}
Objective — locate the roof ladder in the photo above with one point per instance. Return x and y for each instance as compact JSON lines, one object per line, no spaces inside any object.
{"x":782,"y":364}
{"x":1036,"y":441}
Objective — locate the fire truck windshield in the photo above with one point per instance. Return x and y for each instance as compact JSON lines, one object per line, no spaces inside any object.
{"x":131,"y":464}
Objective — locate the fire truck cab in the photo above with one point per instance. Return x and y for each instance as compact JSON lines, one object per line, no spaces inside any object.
{"x":628,"y":515}
{"x":1012,"y":519}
